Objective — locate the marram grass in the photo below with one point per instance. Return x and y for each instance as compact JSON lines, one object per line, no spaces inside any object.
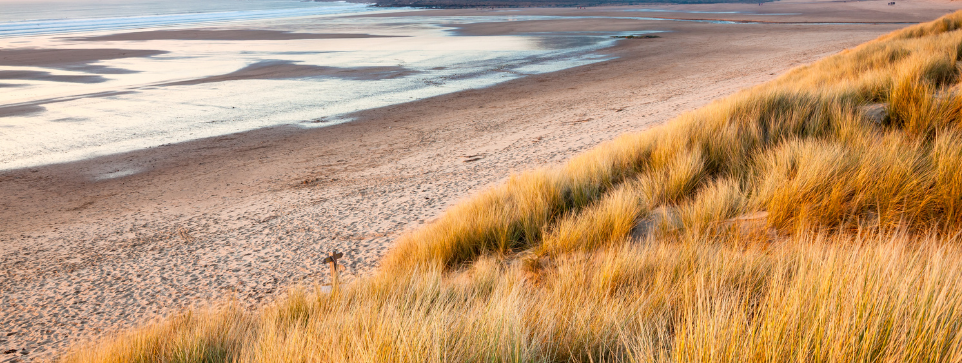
{"x":792,"y":221}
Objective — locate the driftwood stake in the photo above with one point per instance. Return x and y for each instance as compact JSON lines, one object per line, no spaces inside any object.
{"x":332,"y":259}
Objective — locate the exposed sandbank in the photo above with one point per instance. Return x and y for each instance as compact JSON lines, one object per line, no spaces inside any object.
{"x":285,"y":69}
{"x":47,"y":76}
{"x":208,"y":34}
{"x":20,"y":110}
{"x":61,"y":58}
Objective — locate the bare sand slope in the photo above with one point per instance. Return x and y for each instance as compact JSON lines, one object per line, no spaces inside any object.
{"x":108,"y":243}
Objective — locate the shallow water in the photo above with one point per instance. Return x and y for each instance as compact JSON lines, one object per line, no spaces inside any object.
{"x":60,"y":113}
{"x":71,"y":25}
{"x":79,"y":10}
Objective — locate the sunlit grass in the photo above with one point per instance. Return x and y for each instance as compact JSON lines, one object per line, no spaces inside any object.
{"x":810,"y":298}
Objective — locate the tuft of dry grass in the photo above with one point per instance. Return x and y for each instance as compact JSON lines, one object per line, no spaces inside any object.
{"x":606,"y":222}
{"x":204,"y":335}
{"x":787,"y":222}
{"x":821,"y":297}
{"x":512,"y":216}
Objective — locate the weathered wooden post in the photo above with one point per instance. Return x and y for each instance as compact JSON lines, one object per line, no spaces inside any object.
{"x":332,"y":259}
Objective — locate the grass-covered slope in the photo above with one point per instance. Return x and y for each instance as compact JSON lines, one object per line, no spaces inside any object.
{"x":813,"y":218}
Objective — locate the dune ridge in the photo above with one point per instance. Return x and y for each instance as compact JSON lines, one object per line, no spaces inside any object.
{"x":812,"y":218}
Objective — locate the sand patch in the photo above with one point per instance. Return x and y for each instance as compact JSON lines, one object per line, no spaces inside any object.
{"x":71,"y":119}
{"x":47,"y":76}
{"x":20,"y":110}
{"x":66,"y":58}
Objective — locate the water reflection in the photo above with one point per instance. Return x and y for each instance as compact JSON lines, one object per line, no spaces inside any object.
{"x":98,"y":93}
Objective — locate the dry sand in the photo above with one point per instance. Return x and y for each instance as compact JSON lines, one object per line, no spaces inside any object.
{"x":109,"y":243}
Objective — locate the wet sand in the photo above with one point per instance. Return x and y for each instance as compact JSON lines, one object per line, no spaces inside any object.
{"x":206,"y":34}
{"x":37,"y":106}
{"x":108,"y":243}
{"x":285,"y":69}
{"x":20,"y":110}
{"x":781,"y":11}
{"x":47,"y":76}
{"x":66,"y":58}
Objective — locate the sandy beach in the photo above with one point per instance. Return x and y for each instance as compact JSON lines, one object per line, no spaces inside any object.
{"x":95,"y":246}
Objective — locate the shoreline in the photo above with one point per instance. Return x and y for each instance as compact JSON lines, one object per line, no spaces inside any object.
{"x":250,"y":214}
{"x":168,"y":99}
